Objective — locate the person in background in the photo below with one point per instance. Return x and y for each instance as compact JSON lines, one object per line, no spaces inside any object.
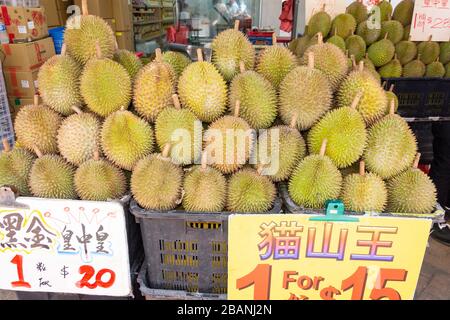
{"x":440,"y":174}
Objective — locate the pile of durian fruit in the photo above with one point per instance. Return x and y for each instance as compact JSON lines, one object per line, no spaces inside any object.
{"x":105,"y":127}
{"x":385,"y":46}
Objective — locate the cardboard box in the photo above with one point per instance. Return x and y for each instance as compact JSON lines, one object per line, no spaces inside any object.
{"x":56,"y":11}
{"x":122,"y":12}
{"x":112,"y":24}
{"x":101,"y":8}
{"x":26,"y":56}
{"x":21,"y":84}
{"x":15,"y":103}
{"x":125,"y":40}
{"x":24,"y":24}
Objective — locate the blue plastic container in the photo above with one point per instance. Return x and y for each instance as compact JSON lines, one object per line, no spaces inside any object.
{"x":58,"y":38}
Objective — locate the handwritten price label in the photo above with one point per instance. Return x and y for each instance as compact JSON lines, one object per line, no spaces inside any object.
{"x":431,"y":18}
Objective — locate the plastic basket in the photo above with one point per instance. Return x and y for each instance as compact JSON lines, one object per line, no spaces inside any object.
{"x":424,"y":135}
{"x":421,"y":97}
{"x":57,"y":35}
{"x":186,"y":251}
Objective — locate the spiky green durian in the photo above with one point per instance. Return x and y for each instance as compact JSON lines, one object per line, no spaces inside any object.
{"x":280,"y":149}
{"x":153,"y":88}
{"x":358,"y":10}
{"x":344,"y":24}
{"x":435,"y":70}
{"x":105,"y":86}
{"x":393,"y":69}
{"x":250,"y":192}
{"x":315,"y":180}
{"x":274,"y":63}
{"x":444,"y":56}
{"x":36,"y":126}
{"x":406,"y":32}
{"x":156,"y":183}
{"x":337,"y":41}
{"x":385,"y":10}
{"x":15,"y":166}
{"x":52,"y":177}
{"x":83,"y":32}
{"x":362,"y":192}
{"x":391,"y":96}
{"x":58,"y":80}
{"x":99,"y":180}
{"x":368,"y":63}
{"x":414,"y":69}
{"x":429,"y":51}
{"x":370,"y":35}
{"x":177,"y":60}
{"x":391,"y":147}
{"x":406,"y":51}
{"x":230,"y":47}
{"x":356,"y":46}
{"x":393,"y":30}
{"x":381,"y":52}
{"x":403,"y":12}
{"x":301,"y":45}
{"x":79,"y":137}
{"x":319,"y":22}
{"x":129,"y":61}
{"x":126,"y":138}
{"x":258,"y":99}
{"x":411,"y":192}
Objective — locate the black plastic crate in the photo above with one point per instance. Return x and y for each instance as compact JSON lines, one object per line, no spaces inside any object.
{"x":186,"y":251}
{"x":421,"y":97}
{"x":424,"y":135}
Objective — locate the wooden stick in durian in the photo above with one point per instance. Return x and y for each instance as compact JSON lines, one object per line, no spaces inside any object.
{"x":6,"y":146}
{"x":323,"y":148}
{"x":362,"y":168}
{"x":416,"y":160}
{"x":176,"y":101}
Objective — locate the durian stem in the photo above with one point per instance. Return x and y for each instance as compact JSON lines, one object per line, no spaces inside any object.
{"x":237,"y":108}
{"x":96,"y":154}
{"x":310,"y":60}
{"x":392,"y":107}
{"x":204,"y":160}
{"x":335,"y":31}
{"x":361,"y":66}
{"x":6,"y":146}
{"x":176,"y":101}
{"x":242,"y":66}
{"x":98,"y":50}
{"x":122,"y":108}
{"x":166,"y":150}
{"x":430,"y":37}
{"x":260,"y":169}
{"x":77,"y":110}
{"x":38,"y":152}
{"x":352,"y":57}
{"x":84,"y":7}
{"x":158,"y":55}
{"x":236,"y":25}
{"x":199,"y":55}
{"x":294,"y":121}
{"x":386,"y":35}
{"x":63,"y":49}
{"x":356,"y":100}
{"x":323,"y":148}
{"x":320,"y":38}
{"x":274,"y":39}
{"x":384,"y":84}
{"x":36,"y":100}
{"x":362,"y":168}
{"x":116,"y":45}
{"x":391,"y":89}
{"x":323,"y":7}
{"x":416,"y":160}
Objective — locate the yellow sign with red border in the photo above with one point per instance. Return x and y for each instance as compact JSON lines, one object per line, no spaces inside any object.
{"x":290,"y":257}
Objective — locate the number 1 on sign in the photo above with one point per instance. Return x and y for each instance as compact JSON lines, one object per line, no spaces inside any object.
{"x":17,"y":260}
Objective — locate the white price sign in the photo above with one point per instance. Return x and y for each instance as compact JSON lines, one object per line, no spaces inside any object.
{"x":65,"y":246}
{"x":431,"y":18}
{"x":332,"y":7}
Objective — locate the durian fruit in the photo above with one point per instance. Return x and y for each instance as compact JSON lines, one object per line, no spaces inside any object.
{"x":156,"y":182}
{"x":364,"y":192}
{"x":319,"y":22}
{"x":373,"y":101}
{"x":52,"y":177}
{"x":257,"y":96}
{"x":153,"y":88}
{"x":344,"y":24}
{"x":370,"y":35}
{"x":393,"y":69}
{"x":281,"y":147}
{"x":292,"y":46}
{"x":275,"y":62}
{"x":414,"y":69}
{"x":337,"y":41}
{"x":429,"y":51}
{"x":126,"y":138}
{"x":203,"y":90}
{"x":381,"y":52}
{"x":354,"y":168}
{"x":407,"y":32}
{"x":177,"y":127}
{"x":403,"y":12}
{"x":435,"y":70}
{"x":406,"y":51}
{"x":83,"y":32}
{"x":356,"y":46}
{"x":368,"y":64}
{"x":177,"y":60}
{"x":315,"y":180}
{"x":229,"y":142}
{"x":250,"y":192}
{"x":391,"y":96}
{"x":204,"y":188}
{"x":385,"y":10}
{"x":393,"y":30}
{"x":58,"y":80}
{"x":306,"y":93}
{"x":345,"y":130}
{"x":411,"y":192}
{"x":447,"y":70}
{"x":391,"y":146}
{"x":301,"y":46}
{"x":105,"y":85}
{"x":328,"y":59}
{"x":229,"y":48}
{"x":358,"y":10}
{"x":15,"y":166}
{"x":36,"y":126}
{"x":129,"y":61}
{"x":444,"y":56}
{"x":99,"y":180}
{"x":78,"y":137}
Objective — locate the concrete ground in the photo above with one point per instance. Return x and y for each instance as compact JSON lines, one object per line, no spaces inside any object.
{"x":434,"y":281}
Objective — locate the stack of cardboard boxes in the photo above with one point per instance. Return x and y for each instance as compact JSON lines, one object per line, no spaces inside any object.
{"x":28,"y":49}
{"x":57,"y":11}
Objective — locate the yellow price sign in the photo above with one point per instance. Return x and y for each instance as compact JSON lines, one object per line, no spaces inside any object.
{"x":290,"y":257}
